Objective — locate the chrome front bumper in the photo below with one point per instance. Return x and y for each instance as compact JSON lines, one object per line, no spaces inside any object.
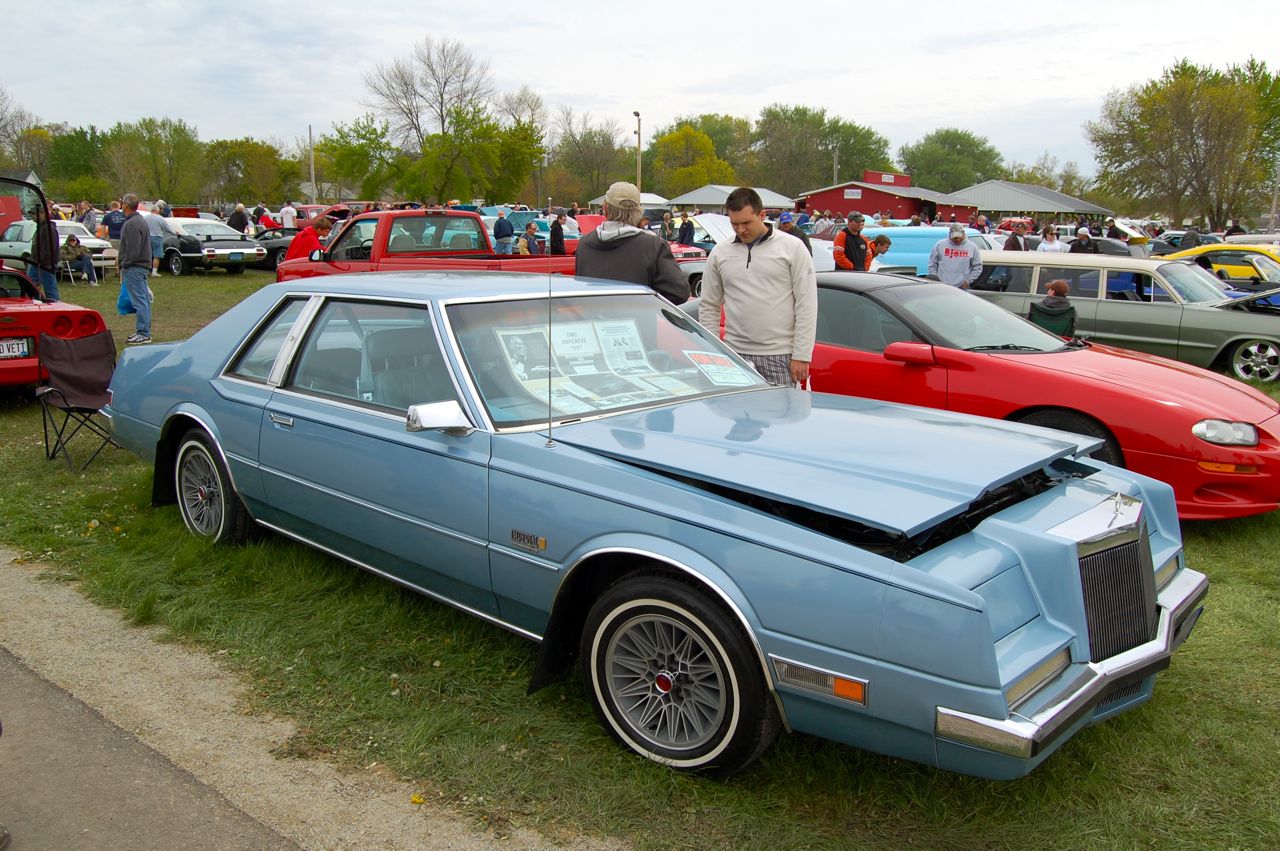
{"x":1025,"y":736}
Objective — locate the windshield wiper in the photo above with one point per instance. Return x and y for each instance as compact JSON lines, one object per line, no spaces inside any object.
{"x":1003,"y":347}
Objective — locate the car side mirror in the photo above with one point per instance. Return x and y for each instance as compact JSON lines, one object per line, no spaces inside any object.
{"x":444,"y":416}
{"x":316,"y":255}
{"x":912,"y":353}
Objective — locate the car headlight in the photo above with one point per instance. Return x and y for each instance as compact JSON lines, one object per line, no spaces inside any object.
{"x":1226,"y":433}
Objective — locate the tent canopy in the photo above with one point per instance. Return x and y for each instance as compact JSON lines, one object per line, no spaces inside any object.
{"x":714,"y":195}
{"x":647,"y":199}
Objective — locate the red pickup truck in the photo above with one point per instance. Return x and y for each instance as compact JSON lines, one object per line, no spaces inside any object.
{"x":401,"y":240}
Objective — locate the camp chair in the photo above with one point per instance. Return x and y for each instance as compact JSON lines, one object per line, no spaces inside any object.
{"x":1062,"y":324}
{"x":79,"y":372}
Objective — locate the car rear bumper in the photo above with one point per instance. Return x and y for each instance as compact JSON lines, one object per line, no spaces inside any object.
{"x":1082,"y":687}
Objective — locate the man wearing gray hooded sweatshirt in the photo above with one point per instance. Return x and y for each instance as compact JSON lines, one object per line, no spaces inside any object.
{"x":620,"y":251}
{"x":955,"y":260}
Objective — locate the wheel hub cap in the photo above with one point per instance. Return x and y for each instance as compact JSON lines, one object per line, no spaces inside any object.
{"x":663,"y":682}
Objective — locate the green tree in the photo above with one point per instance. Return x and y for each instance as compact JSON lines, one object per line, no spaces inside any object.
{"x":730,"y":138}
{"x":857,"y":148}
{"x":458,"y":163}
{"x":590,"y":150}
{"x":31,"y":149}
{"x":1194,"y":140}
{"x":167,"y":153}
{"x":362,"y":155}
{"x":788,"y":145}
{"x":75,"y":152}
{"x":519,"y":149}
{"x":685,"y":159}
{"x":1045,"y":172}
{"x":950,"y":158}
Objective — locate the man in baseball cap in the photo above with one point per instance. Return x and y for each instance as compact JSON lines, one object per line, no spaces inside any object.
{"x":955,"y":260}
{"x":619,"y":250}
{"x":786,"y":224}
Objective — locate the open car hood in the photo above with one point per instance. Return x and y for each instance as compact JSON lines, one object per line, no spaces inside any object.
{"x":892,"y":467}
{"x":17,"y":199}
{"x":1247,"y":299}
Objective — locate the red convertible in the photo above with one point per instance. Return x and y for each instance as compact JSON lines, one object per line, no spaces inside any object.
{"x":1214,"y":439}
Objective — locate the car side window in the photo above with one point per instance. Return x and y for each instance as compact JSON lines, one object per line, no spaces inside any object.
{"x":1134,"y":286}
{"x":1083,"y":281}
{"x":255,"y":362}
{"x":384,"y":355}
{"x":1004,"y":279}
{"x":853,"y":321}
{"x":356,"y":241}
{"x":430,"y":233}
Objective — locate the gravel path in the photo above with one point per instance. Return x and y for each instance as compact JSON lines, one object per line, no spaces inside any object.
{"x":181,"y":703}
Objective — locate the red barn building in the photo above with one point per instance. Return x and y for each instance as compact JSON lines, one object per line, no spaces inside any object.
{"x":878,"y":191}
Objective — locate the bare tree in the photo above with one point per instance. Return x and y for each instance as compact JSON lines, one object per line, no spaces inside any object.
{"x":524,"y":105}
{"x":589,"y":149}
{"x":397,"y":96}
{"x":14,"y":121}
{"x":419,"y":94}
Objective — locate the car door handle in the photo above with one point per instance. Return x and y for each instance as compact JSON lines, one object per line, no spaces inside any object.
{"x":282,"y":420}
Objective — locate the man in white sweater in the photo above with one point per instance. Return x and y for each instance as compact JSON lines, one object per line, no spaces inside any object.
{"x":769,"y":291}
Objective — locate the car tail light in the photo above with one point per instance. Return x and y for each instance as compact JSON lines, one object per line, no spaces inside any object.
{"x":88,"y":323}
{"x":61,"y":326}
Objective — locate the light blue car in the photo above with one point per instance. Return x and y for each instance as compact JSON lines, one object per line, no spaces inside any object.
{"x":911,"y":245}
{"x":583,"y":464}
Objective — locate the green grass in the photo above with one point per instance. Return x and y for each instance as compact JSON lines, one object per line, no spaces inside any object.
{"x":374,"y":673}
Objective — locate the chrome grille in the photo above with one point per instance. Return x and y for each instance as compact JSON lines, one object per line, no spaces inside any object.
{"x":1120,"y":695}
{"x":1119,"y":598}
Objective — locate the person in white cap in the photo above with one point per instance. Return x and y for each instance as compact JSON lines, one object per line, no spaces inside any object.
{"x":619,"y":250}
{"x":1084,"y":243}
{"x":955,"y":260}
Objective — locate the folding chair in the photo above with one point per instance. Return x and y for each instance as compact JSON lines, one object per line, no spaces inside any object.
{"x":110,"y":257}
{"x":79,"y":373}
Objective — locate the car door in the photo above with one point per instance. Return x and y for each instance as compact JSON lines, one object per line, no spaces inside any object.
{"x":853,"y":332}
{"x":1083,"y":288}
{"x":1138,"y":313}
{"x":339,"y":468}
{"x":354,"y":248}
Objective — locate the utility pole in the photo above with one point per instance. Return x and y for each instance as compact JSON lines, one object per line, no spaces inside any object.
{"x":1275,"y":196}
{"x":637,"y":115}
{"x":311,"y":146}
{"x":835,"y":166}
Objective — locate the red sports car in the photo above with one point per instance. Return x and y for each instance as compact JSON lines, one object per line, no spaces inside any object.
{"x":23,"y":316}
{"x":1214,"y":439}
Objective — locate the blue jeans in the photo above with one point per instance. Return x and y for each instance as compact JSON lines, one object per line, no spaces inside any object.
{"x":504,"y":245}
{"x":84,"y":265}
{"x":47,"y":281}
{"x":135,"y":281}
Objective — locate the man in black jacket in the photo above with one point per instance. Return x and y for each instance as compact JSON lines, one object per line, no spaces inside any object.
{"x":1018,"y":241}
{"x":618,"y":250}
{"x":1083,"y":244}
{"x":557,"y":235}
{"x":685,"y":235}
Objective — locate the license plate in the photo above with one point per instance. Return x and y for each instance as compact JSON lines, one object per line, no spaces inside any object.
{"x":236,"y":256}
{"x":16,"y":348}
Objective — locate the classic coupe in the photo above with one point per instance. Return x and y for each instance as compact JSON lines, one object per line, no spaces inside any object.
{"x":1215,"y":439}
{"x":202,"y":244}
{"x":580,"y":462}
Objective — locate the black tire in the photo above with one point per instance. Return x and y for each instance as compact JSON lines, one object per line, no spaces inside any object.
{"x":695,"y":286}
{"x":207,"y":499}
{"x":275,"y":258}
{"x":1255,"y":360}
{"x":1078,"y":423}
{"x":175,"y":265}
{"x":235,"y":269}
{"x":697,"y":697}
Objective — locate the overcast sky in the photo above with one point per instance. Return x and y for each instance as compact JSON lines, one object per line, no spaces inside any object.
{"x":1026,"y":76}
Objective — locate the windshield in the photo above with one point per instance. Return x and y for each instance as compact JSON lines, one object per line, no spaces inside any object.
{"x":961,"y":320}
{"x":1267,"y":268}
{"x":206,"y":228}
{"x":1193,"y":284}
{"x":66,"y":229}
{"x":608,"y":353}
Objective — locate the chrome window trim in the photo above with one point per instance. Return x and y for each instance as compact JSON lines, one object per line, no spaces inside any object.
{"x":448,"y":601}
{"x":257,"y":329}
{"x":705,"y":582}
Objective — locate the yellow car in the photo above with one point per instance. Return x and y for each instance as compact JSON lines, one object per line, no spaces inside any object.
{"x":1235,"y":263}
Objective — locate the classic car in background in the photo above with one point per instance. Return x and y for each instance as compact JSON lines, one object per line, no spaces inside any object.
{"x":202,"y":244}
{"x":1170,"y":308}
{"x":23,"y":316}
{"x":275,"y":242}
{"x":582,"y":463}
{"x":1251,"y":267}
{"x":1214,"y":439}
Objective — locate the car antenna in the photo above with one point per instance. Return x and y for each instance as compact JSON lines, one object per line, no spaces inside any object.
{"x":550,"y":442}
